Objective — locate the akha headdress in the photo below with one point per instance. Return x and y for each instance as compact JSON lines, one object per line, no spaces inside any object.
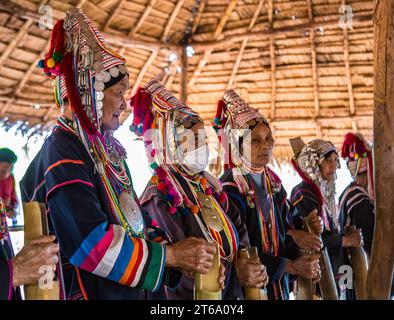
{"x":161,"y":118}
{"x":233,"y":116}
{"x":306,"y":161}
{"x":81,"y":66}
{"x":358,"y":154}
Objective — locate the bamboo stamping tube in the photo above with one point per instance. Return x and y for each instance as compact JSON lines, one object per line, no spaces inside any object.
{"x":359,"y":261}
{"x":249,"y":292}
{"x":360,"y":266}
{"x":33,"y":221}
{"x":35,"y":226}
{"x":206,"y":286}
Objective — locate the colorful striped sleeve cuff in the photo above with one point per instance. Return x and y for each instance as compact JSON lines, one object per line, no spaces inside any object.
{"x":112,"y":254}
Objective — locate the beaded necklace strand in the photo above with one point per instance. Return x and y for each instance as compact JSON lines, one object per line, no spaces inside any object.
{"x":115,"y":179}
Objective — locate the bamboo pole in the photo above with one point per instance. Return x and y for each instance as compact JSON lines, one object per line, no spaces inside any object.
{"x":257,"y":35}
{"x":114,"y":14}
{"x":380,"y":272}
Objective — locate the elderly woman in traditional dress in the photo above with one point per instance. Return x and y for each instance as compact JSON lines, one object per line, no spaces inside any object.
{"x":259,"y":195}
{"x":107,"y":247}
{"x":184,"y":199}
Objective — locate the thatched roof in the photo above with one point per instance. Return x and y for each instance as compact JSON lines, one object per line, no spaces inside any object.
{"x":289,"y":58}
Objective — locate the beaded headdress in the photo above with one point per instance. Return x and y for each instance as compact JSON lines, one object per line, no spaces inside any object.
{"x":161,"y":118}
{"x":233,"y":116}
{"x":81,"y":66}
{"x":307,"y":163}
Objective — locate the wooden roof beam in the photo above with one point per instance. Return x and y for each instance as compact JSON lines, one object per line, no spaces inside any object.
{"x":143,"y":70}
{"x":218,"y":30}
{"x":114,"y":13}
{"x":142,"y":19}
{"x":348,"y":73}
{"x":315,"y":79}
{"x":197,"y":20}
{"x":172,"y":19}
{"x":255,"y":35}
{"x":224,"y":18}
{"x":270,"y":9}
{"x":243,"y":45}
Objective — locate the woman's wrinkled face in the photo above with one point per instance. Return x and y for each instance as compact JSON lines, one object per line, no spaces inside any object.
{"x":258,"y":145}
{"x":5,"y":170}
{"x":329,"y":166}
{"x":114,"y":104}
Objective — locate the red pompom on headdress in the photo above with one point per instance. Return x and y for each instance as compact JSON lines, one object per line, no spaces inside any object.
{"x":52,"y":62}
{"x":354,"y":146}
{"x":141,"y":104}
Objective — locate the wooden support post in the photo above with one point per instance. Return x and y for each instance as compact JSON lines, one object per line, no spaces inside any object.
{"x":381,"y":267}
{"x":185,"y":63}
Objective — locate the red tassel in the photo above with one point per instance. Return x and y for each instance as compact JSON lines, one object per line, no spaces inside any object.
{"x":60,"y":36}
{"x":141,"y":103}
{"x":73,"y":95}
{"x":221,"y":108}
{"x":147,"y":122}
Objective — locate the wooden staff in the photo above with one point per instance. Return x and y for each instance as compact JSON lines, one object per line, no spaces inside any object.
{"x":36,"y":225}
{"x":206,"y":286}
{"x":306,"y":289}
{"x":359,"y":260}
{"x":249,"y":292}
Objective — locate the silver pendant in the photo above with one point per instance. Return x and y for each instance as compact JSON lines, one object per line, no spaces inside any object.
{"x":209,"y":214}
{"x":131,"y":211}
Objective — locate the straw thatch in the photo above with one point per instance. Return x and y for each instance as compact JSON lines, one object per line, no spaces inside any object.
{"x":289,"y":58}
